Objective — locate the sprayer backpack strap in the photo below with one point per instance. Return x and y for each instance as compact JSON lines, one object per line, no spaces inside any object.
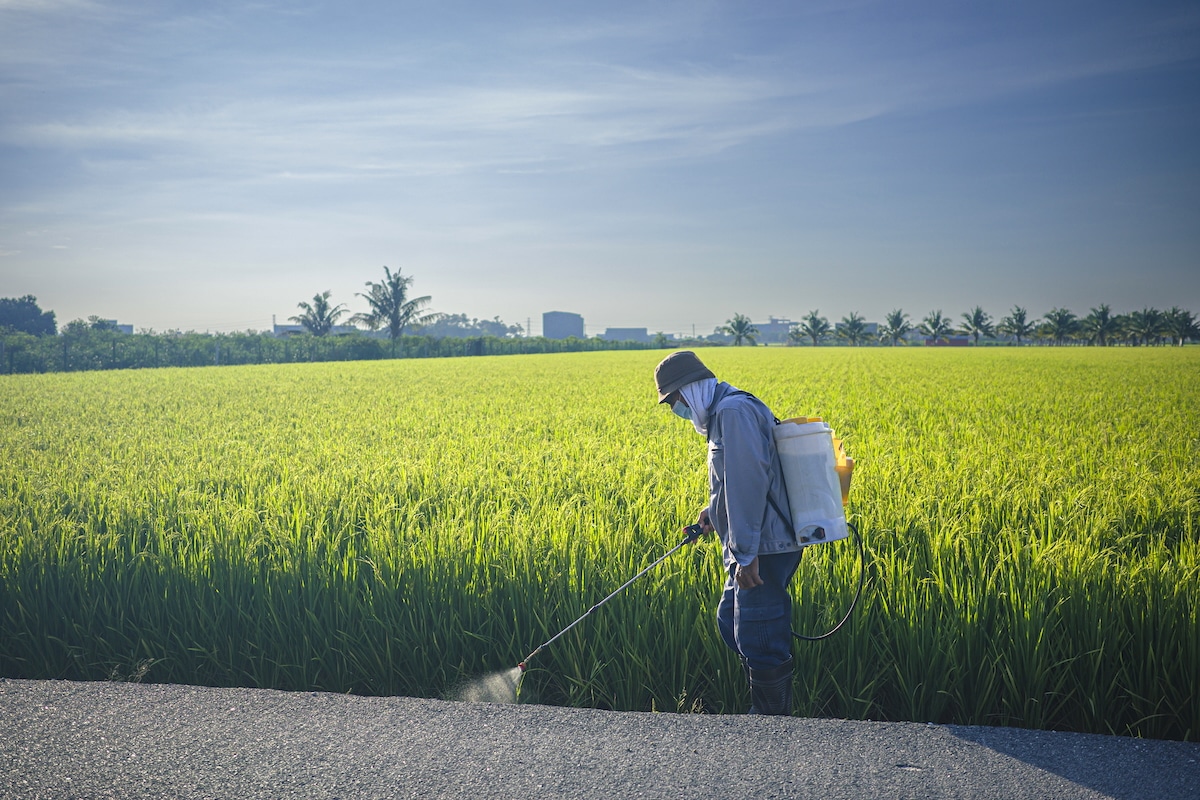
{"x":770,"y":498}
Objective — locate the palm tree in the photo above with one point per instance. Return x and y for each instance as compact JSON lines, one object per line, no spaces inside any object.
{"x":1181,"y":325}
{"x":319,"y":318}
{"x":391,"y":307}
{"x":1100,"y":325}
{"x":935,"y":326}
{"x":1061,"y":325}
{"x":1146,"y":326}
{"x":895,"y":327}
{"x":814,"y":326}
{"x":1017,"y":324}
{"x":1122,"y":334}
{"x":978,"y":322}
{"x":741,"y":329}
{"x":852,"y":328}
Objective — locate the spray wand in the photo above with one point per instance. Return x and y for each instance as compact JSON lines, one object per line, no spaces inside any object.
{"x":691,"y":534}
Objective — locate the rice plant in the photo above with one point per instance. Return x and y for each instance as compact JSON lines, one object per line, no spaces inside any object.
{"x":397,"y":527}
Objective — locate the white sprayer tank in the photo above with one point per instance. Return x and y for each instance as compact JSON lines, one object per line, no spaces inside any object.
{"x":813,"y":488}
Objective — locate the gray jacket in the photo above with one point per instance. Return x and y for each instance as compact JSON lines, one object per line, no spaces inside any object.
{"x":743,"y":467}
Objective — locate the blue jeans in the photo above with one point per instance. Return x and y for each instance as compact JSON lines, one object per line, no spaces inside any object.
{"x":757,"y":623}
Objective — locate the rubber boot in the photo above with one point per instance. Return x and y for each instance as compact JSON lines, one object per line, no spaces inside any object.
{"x":771,"y":689}
{"x":746,"y":671}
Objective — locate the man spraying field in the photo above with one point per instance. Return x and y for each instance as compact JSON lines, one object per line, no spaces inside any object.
{"x":748,"y":508}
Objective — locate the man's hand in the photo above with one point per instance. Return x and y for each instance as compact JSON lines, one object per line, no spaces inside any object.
{"x":694,"y":532}
{"x":747,"y":576}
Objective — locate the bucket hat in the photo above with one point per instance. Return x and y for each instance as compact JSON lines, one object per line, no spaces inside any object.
{"x":678,"y":370}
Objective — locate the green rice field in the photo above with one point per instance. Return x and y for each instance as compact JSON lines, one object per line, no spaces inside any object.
{"x":1031,"y":519}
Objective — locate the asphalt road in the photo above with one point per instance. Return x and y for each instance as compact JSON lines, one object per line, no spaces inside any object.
{"x":81,"y":740}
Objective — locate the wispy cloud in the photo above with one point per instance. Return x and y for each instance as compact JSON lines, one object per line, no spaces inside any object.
{"x":616,"y":113}
{"x":579,"y":95}
{"x":617,"y":132}
{"x":48,"y":6}
{"x":551,"y":99}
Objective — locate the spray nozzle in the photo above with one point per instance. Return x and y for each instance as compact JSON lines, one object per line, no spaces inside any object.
{"x":522,"y":666}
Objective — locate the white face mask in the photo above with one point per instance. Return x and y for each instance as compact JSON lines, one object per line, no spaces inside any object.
{"x":681,"y":410}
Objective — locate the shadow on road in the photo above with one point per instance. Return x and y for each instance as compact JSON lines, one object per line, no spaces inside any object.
{"x":1104,"y":764}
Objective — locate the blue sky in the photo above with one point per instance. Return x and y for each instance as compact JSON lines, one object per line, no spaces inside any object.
{"x":208,"y":165}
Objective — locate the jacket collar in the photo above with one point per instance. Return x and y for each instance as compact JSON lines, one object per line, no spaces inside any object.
{"x":722,"y":391}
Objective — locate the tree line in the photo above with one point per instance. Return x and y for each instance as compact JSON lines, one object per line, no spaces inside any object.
{"x":87,"y":346}
{"x":31,"y":342}
{"x":389,"y":308}
{"x":1059,"y":326}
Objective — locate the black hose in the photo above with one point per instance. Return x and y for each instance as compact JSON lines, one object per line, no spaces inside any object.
{"x":862,"y":575}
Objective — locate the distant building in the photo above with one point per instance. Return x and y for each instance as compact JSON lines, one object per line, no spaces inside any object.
{"x":717,"y":337}
{"x":112,"y":324}
{"x":774,"y":331}
{"x":952,"y":341}
{"x":562,"y":325}
{"x":336,"y":330}
{"x":626,"y":334}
